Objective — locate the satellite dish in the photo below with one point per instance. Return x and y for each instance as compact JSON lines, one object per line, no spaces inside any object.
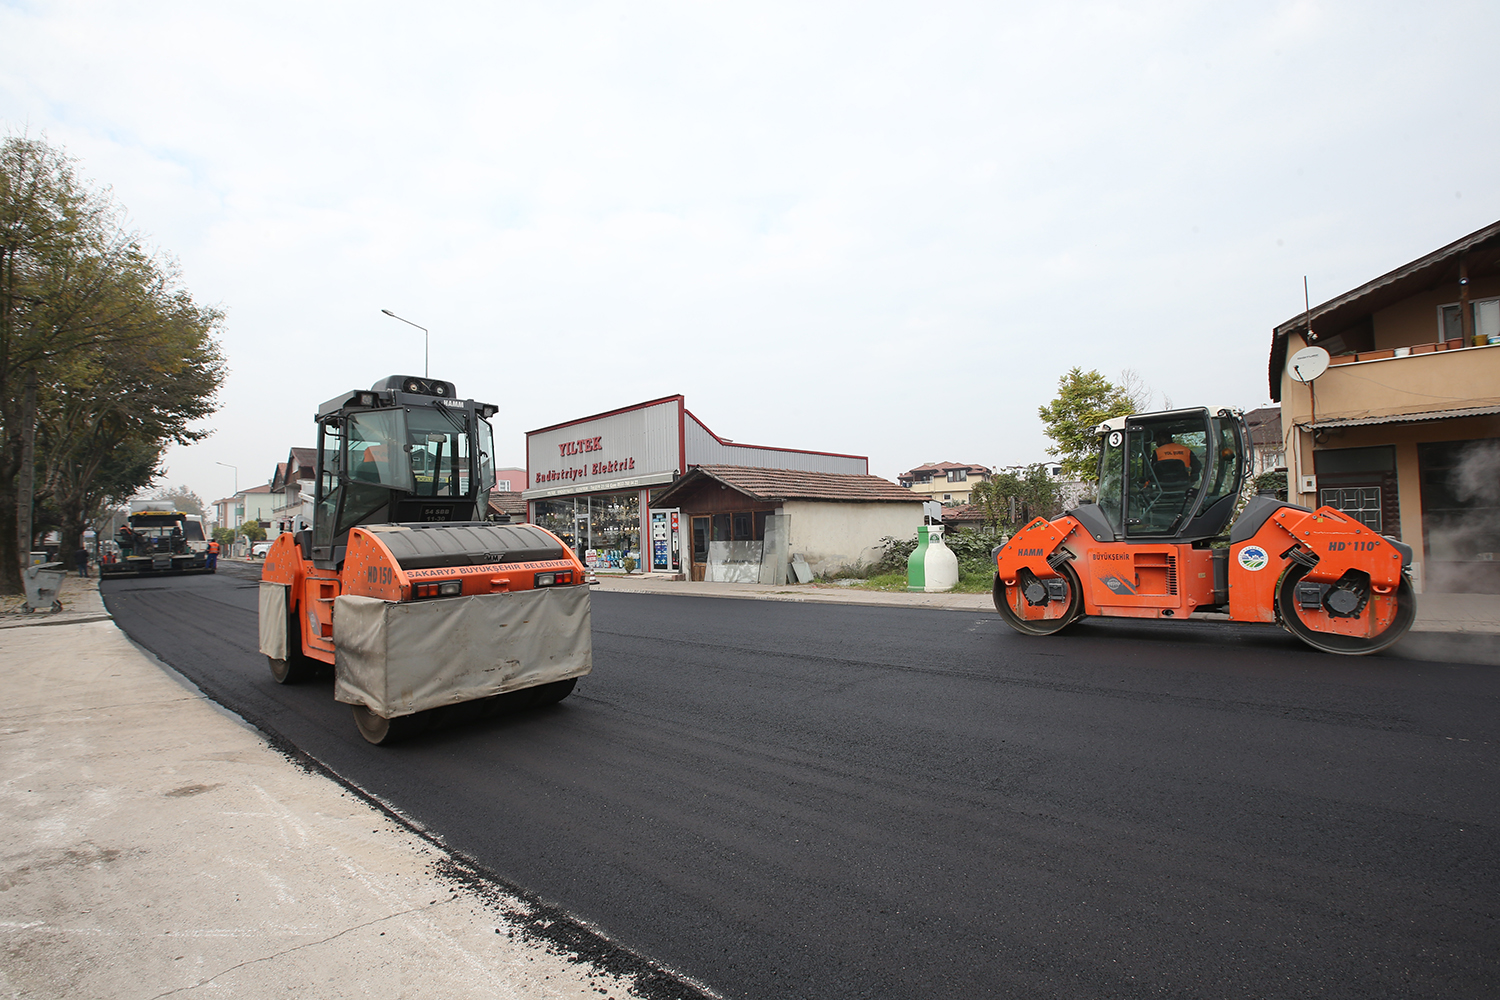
{"x":1307,"y":364}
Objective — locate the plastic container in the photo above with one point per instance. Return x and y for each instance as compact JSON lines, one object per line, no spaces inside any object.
{"x":43,"y":583}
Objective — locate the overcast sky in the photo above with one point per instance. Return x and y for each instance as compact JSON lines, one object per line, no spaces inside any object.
{"x":873,"y":228}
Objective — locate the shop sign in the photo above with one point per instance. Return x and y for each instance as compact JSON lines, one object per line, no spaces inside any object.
{"x":586,"y":470}
{"x":625,"y":450}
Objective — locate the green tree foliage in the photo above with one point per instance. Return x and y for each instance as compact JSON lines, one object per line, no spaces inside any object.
{"x":253,"y":531}
{"x":224,"y":536}
{"x":1270,"y":483}
{"x":1084,"y":400}
{"x":121,"y":359}
{"x":183,"y":498}
{"x":1009,"y":501}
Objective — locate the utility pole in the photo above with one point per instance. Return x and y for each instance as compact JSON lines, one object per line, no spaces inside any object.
{"x":26,"y":477}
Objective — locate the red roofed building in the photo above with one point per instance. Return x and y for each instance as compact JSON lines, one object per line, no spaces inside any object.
{"x":745,"y":524}
{"x":947,"y":482}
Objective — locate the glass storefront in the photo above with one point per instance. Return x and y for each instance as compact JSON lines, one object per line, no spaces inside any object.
{"x":606,"y":524}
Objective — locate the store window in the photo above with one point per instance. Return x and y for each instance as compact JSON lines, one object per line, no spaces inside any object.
{"x":739,"y":526}
{"x":608,"y":525}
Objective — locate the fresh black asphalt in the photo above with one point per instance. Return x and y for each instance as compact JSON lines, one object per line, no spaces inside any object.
{"x":790,"y":800}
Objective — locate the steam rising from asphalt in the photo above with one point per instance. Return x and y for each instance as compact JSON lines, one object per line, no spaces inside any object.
{"x":1458,"y":542}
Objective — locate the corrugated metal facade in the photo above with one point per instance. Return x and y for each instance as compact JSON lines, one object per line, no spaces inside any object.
{"x":705,"y":449}
{"x":630,"y":448}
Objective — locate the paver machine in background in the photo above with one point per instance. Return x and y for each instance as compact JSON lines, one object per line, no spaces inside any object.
{"x":157,"y":538}
{"x":402,"y":585}
{"x":1151,"y":547}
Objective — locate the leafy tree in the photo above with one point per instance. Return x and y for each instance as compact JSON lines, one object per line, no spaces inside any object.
{"x":224,"y":536}
{"x":1010,"y":501}
{"x":253,"y":531}
{"x":185,"y":499}
{"x":1271,"y":484}
{"x":103,"y":359}
{"x":1084,"y":400}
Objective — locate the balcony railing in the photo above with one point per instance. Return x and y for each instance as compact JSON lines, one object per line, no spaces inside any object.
{"x":1456,"y":344}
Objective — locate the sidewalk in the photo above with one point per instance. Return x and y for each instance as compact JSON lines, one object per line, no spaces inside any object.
{"x":152,"y":843}
{"x":1477,"y":614}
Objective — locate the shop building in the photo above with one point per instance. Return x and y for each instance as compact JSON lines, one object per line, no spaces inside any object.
{"x":590,"y":480}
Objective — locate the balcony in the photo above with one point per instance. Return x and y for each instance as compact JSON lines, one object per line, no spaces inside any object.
{"x":1423,"y":378}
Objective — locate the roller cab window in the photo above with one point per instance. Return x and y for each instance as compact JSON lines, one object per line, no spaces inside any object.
{"x":439,"y":450}
{"x":375,"y":449}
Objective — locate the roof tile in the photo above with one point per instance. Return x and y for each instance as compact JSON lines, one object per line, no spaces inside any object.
{"x":791,"y":484}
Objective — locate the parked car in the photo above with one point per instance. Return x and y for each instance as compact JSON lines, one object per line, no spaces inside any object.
{"x":258,"y":550}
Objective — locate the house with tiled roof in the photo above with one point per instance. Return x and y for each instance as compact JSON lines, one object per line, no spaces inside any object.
{"x":964,"y":515}
{"x":948,"y":482}
{"x":294,"y":482}
{"x":1390,"y":409}
{"x":507,"y":504}
{"x":746,"y":524}
{"x":255,"y":503}
{"x":1266,"y":443}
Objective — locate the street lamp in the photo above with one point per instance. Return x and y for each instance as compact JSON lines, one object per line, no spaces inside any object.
{"x":426,"y":338}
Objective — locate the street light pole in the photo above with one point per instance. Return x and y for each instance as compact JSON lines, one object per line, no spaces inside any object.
{"x":426,"y":338}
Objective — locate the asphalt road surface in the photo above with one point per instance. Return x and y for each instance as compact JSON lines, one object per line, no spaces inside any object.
{"x":785,"y":800}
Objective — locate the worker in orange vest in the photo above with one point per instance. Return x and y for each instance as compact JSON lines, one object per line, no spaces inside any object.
{"x":1172,"y":451}
{"x":1169,"y":449}
{"x":213,"y":555}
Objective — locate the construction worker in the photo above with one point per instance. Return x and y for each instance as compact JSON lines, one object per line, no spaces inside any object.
{"x":213,"y":555}
{"x":1169,"y":450}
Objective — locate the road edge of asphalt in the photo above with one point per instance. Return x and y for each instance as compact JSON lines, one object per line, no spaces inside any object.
{"x":536,"y":920}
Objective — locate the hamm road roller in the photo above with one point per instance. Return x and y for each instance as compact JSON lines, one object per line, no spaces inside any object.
{"x":402,"y":585}
{"x":1151,"y":547}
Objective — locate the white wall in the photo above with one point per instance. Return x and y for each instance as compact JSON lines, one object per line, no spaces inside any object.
{"x":831,"y":536}
{"x":262,"y":506}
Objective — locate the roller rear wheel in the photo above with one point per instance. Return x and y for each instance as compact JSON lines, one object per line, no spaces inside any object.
{"x":1053,"y":616}
{"x":551,"y":694}
{"x":1302,"y":623}
{"x":382,"y":731}
{"x":298,"y":666}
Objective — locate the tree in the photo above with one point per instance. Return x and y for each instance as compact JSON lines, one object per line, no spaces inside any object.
{"x":1084,"y":400}
{"x":253,"y":531}
{"x":102,"y":356}
{"x":1135,"y":389}
{"x":183,"y":498}
{"x":1009,"y":501}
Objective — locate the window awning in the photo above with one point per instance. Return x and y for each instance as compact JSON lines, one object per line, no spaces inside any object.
{"x":1401,"y":418}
